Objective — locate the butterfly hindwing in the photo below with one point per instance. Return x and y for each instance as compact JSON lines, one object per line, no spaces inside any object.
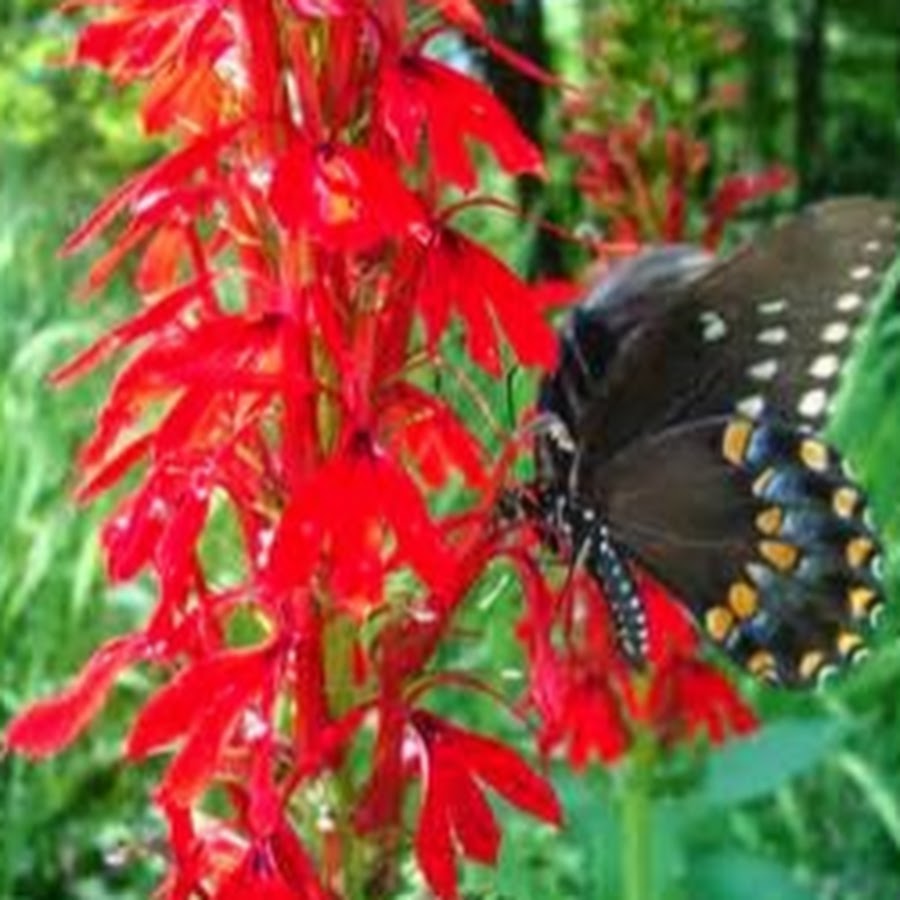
{"x":760,"y":532}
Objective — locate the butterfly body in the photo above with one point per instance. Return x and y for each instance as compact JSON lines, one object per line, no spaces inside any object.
{"x":683,"y":438}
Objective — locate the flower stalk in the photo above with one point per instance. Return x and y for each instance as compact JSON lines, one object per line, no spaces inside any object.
{"x":637,"y":820}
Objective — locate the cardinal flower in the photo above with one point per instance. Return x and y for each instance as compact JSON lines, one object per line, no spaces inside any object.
{"x":591,"y":703}
{"x":420,"y":98}
{"x":455,"y":272}
{"x":454,"y":763}
{"x":343,"y":197}
{"x":620,"y":174}
{"x":454,"y":766}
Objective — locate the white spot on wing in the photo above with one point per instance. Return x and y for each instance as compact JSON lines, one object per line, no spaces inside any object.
{"x":825,"y":366}
{"x":713,"y":325}
{"x":751,"y":406}
{"x":813,"y":403}
{"x":773,"y":307}
{"x":835,"y":332}
{"x":774,"y":336}
{"x":861,"y":273}
{"x":848,"y":301}
{"x":872,"y":246}
{"x":763,"y":371}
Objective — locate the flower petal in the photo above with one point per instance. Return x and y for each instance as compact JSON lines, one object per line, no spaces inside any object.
{"x":174,"y":709}
{"x":49,"y":725}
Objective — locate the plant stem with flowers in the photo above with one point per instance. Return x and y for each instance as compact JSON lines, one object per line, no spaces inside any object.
{"x":296,"y":266}
{"x":643,"y":168}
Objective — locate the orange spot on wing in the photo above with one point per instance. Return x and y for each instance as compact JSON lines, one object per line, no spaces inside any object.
{"x":743,"y":599}
{"x":735,"y":440}
{"x":779,"y":554}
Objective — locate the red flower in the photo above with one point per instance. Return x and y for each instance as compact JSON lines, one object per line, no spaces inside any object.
{"x":426,"y":432}
{"x":276,"y":869}
{"x":419,"y":97}
{"x":347,"y":198}
{"x":166,"y":197}
{"x":453,"y":764}
{"x":205,"y":851}
{"x":342,"y":518}
{"x":578,"y":690}
{"x":620,"y":174}
{"x":48,"y":726}
{"x":588,"y":699}
{"x":455,"y":272}
{"x":592,"y":720}
{"x":213,"y":857}
{"x":139,"y":39}
{"x":201,"y":707}
{"x":737,"y":190}
{"x":689,"y":698}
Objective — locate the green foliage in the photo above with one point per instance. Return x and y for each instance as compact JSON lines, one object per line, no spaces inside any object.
{"x":765,"y":762}
{"x":740,"y":876}
{"x":52,"y":115}
{"x":638,"y":49}
{"x":65,"y":821}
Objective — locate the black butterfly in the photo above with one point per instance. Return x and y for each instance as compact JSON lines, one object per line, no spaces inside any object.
{"x":681,"y":435}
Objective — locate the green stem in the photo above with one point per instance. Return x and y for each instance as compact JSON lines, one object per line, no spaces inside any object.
{"x":351,"y":874}
{"x":637,"y":822}
{"x":338,"y":662}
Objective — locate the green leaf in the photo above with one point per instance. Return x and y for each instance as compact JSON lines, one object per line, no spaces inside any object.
{"x":593,"y":827}
{"x":759,"y":765}
{"x":739,"y":876}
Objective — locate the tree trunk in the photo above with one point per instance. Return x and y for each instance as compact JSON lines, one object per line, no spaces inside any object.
{"x":521,"y":26}
{"x":706,"y":127}
{"x":809,"y":148}
{"x":764,"y":115}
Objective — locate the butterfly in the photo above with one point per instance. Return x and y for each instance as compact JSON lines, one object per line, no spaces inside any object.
{"x":682,"y":435}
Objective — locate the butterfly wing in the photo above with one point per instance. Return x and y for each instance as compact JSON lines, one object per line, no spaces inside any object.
{"x":765,"y":331}
{"x":693,"y":439}
{"x":633,"y":293}
{"x":758,"y":530}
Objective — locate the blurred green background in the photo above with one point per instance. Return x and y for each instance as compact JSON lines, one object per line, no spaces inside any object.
{"x":811,"y":808}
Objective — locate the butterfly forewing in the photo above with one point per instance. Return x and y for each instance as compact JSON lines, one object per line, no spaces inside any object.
{"x":767,"y":330}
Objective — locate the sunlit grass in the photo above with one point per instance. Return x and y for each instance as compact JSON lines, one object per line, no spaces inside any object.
{"x":61,"y":819}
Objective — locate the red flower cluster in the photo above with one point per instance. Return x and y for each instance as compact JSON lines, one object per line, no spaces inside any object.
{"x":642,"y":178}
{"x":287,"y":252}
{"x":297,"y":266}
{"x":641,"y":163}
{"x":590,"y":703}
